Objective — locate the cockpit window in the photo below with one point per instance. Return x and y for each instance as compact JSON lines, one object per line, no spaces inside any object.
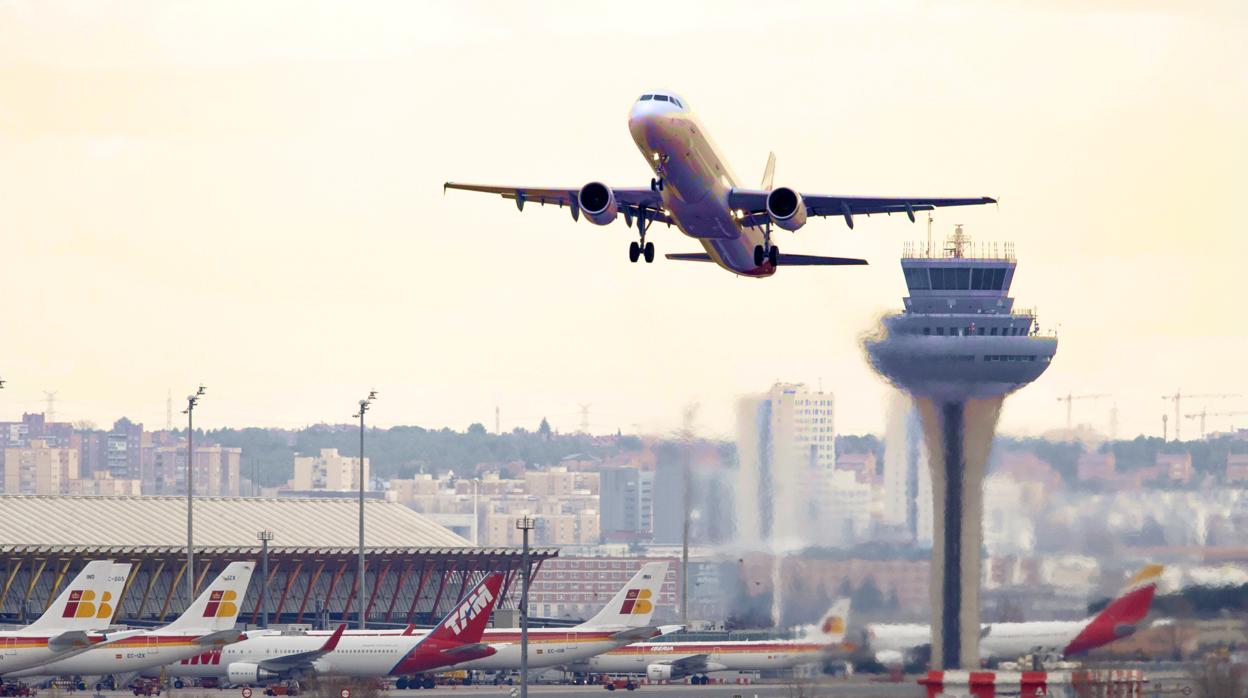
{"x":677,"y":103}
{"x":646,"y":98}
{"x":661,"y":98}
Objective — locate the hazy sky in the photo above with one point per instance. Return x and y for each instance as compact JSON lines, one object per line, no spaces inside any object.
{"x":249,"y":195}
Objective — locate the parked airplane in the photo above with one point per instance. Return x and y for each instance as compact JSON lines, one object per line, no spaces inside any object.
{"x":676,"y":660}
{"x":208,"y":622}
{"x":65,"y":628}
{"x":900,"y":644}
{"x":624,"y":619}
{"x":694,"y":189}
{"x":273,"y":657}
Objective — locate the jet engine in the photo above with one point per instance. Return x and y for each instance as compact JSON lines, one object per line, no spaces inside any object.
{"x":786,"y":208}
{"x":661,"y":672}
{"x":598,"y":202}
{"x":243,"y":673}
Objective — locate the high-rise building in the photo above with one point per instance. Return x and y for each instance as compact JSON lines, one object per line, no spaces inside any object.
{"x":123,"y":450}
{"x":907,"y":491}
{"x":627,"y":504}
{"x":39,"y":468}
{"x":786,"y":439}
{"x":217,"y":468}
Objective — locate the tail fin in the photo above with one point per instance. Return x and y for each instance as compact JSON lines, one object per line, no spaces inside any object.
{"x":1122,"y":615}
{"x":769,"y":172}
{"x":832,"y":626}
{"x":217,"y":607}
{"x":465,"y":624}
{"x":90,"y":600}
{"x":632,"y":605}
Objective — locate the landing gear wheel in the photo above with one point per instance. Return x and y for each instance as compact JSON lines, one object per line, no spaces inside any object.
{"x":634,"y":251}
{"x":401,"y":684}
{"x":656,"y":184}
{"x":773,"y":255}
{"x":759,"y":255}
{"x":428,"y":682}
{"x":648,"y":251}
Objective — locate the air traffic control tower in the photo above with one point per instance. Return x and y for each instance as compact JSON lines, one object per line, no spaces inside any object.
{"x":958,"y":348}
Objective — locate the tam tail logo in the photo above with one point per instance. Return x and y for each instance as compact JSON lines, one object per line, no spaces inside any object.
{"x":221,"y":604}
{"x":469,"y":610}
{"x":637,"y":601}
{"x":81,"y":604}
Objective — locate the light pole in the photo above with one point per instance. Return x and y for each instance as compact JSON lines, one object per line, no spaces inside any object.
{"x":525,"y":524}
{"x":191,"y":402}
{"x":359,"y":577}
{"x":264,"y":536}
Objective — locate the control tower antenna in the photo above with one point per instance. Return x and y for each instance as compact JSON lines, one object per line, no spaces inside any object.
{"x":956,"y":245}
{"x":928,"y":252}
{"x":50,"y":411}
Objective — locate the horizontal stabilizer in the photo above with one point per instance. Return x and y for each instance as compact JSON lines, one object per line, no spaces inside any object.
{"x":690,"y":257}
{"x":810,"y":260}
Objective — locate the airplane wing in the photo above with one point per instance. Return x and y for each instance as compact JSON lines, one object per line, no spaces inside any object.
{"x":693,"y":664}
{"x":631,"y":200}
{"x":295,"y":660}
{"x":754,"y":203}
{"x":72,"y":642}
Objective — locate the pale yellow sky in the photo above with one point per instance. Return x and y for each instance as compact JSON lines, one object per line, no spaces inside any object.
{"x":249,"y":195}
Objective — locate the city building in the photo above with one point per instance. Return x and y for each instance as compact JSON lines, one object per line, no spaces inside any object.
{"x":1237,"y":467}
{"x":907,"y":481}
{"x":578,"y":587}
{"x":328,"y":470}
{"x":39,"y":468}
{"x":216,"y":472}
{"x":627,"y":504}
{"x":785,"y":439}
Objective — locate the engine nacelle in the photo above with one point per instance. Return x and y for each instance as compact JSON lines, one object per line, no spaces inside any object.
{"x":597,"y":201}
{"x":243,"y":673}
{"x":786,"y":208}
{"x":661,"y":672}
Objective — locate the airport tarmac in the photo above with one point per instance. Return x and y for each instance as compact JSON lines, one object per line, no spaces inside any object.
{"x":829,"y":689}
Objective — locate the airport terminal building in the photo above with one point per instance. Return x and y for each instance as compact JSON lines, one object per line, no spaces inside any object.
{"x":417,"y":570}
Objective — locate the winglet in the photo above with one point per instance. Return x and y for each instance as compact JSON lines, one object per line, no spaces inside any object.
{"x":332,"y":642}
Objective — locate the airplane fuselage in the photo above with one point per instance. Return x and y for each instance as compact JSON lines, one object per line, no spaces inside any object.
{"x":697,"y":182}
{"x":737,"y":655}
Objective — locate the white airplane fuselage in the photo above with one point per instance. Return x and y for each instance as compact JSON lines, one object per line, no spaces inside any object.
{"x":737,"y":655}
{"x":697,"y":182}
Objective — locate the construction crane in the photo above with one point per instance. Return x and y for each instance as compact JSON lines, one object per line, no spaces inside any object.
{"x":1205,"y":413}
{"x":1070,"y":399}
{"x":1178,"y":398}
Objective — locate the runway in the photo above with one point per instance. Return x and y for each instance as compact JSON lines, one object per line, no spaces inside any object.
{"x":829,"y":689}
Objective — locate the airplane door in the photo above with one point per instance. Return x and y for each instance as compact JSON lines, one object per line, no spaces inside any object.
{"x":10,"y":646}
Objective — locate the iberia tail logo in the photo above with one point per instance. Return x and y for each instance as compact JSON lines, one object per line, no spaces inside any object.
{"x":834,"y":625}
{"x":81,"y":604}
{"x":637,"y":601}
{"x":221,"y":604}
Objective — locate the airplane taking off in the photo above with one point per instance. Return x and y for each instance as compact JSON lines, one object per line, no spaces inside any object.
{"x":694,"y":189}
{"x":896,"y":644}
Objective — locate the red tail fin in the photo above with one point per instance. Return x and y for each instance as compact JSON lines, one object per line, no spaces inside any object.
{"x":1120,"y":618}
{"x":466,"y":622}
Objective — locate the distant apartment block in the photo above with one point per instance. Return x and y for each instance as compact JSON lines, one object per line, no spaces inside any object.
{"x":1099,"y":467}
{"x":1237,"y":467}
{"x":216,"y":470}
{"x":579,"y":587}
{"x":103,"y":484}
{"x":328,"y":471}
{"x":39,"y":468}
